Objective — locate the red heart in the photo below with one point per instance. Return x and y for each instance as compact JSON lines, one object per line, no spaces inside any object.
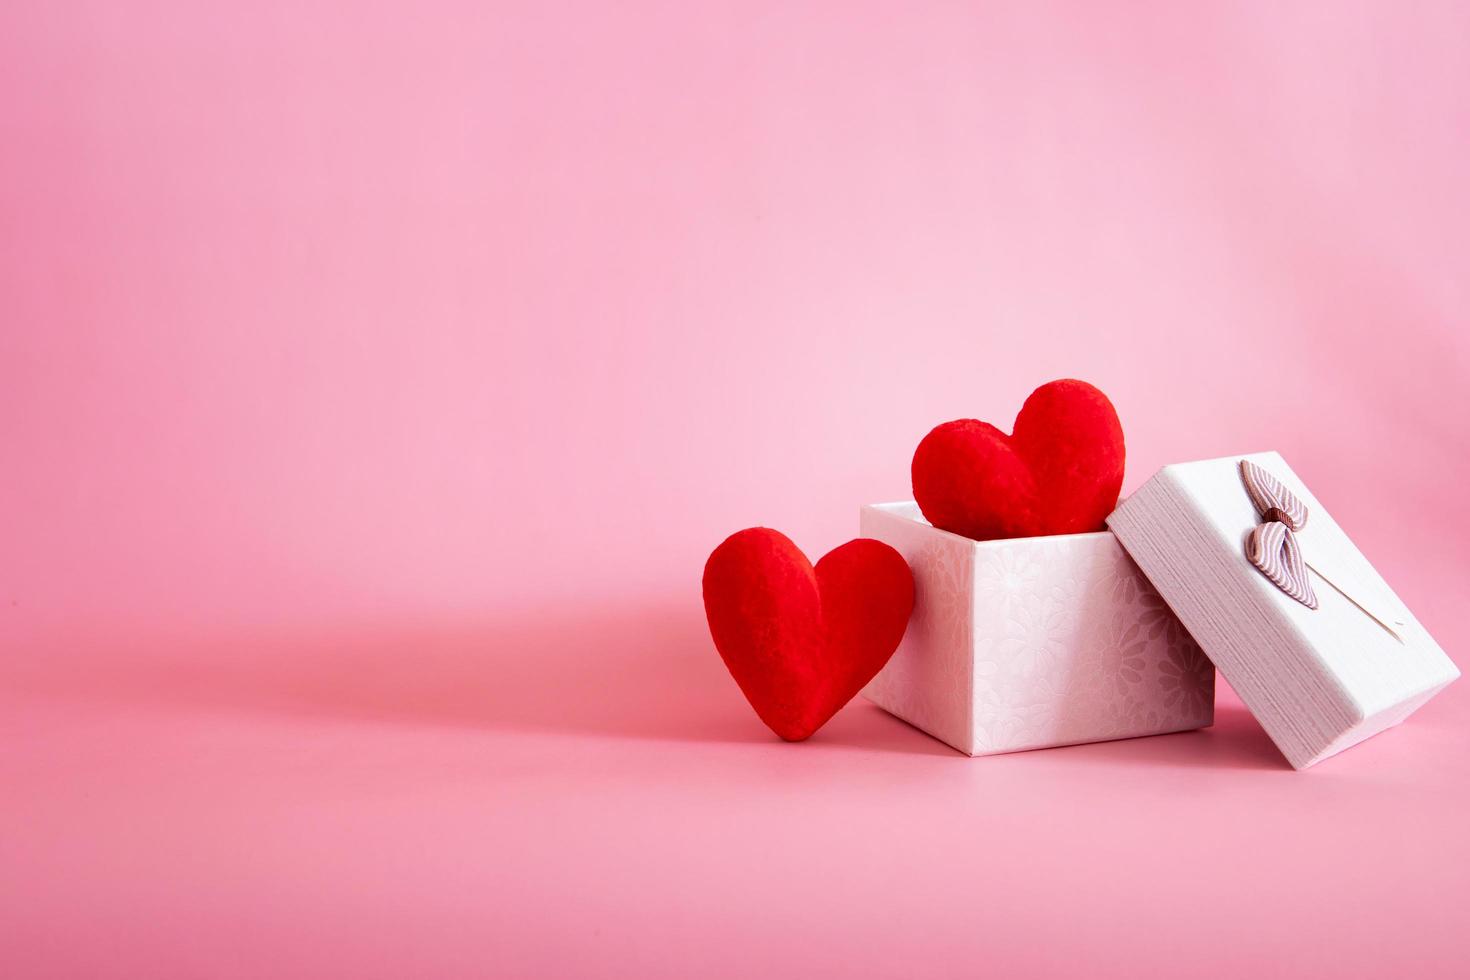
{"x":1060,"y":473}
{"x":801,"y":641}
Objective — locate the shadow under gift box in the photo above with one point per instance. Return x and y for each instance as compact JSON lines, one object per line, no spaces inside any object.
{"x":1027,"y":643}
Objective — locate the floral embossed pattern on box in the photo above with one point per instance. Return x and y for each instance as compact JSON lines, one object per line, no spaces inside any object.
{"x":1032,"y":642}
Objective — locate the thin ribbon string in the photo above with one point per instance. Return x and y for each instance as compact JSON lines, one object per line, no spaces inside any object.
{"x":1272,"y":545}
{"x":1366,"y":611}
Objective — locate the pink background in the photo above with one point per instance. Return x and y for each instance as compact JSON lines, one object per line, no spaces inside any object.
{"x":374,"y":380}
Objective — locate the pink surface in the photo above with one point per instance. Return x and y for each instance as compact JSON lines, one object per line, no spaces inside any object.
{"x":374,"y":381}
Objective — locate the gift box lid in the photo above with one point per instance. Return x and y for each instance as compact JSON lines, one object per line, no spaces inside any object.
{"x":1316,"y":644}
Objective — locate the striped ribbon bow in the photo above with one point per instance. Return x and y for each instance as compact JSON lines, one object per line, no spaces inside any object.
{"x":1271,"y":545}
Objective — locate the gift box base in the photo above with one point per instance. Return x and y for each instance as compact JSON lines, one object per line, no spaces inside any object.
{"x":1032,"y":643}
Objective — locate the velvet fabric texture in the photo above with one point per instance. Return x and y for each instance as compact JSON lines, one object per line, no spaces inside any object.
{"x":801,"y":641}
{"x":1059,"y":472}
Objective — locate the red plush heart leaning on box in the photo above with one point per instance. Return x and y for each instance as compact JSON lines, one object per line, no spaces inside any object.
{"x":801,"y":641}
{"x":1060,"y":471}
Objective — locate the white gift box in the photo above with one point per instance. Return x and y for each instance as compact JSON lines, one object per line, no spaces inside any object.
{"x":1027,"y":643}
{"x":1318,"y":679}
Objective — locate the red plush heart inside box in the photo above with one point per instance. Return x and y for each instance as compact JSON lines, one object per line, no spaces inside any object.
{"x":1059,"y":472}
